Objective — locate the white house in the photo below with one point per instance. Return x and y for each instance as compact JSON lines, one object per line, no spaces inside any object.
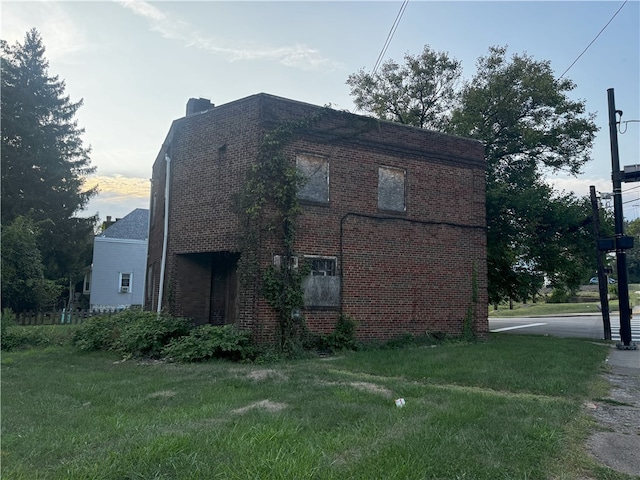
{"x":119,"y":263}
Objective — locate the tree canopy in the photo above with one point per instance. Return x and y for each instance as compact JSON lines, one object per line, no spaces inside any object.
{"x":632,"y":229}
{"x":23,"y":284}
{"x":44,"y":160}
{"x":529,"y":127}
{"x":418,"y":93}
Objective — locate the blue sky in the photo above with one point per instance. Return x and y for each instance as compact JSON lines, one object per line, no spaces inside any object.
{"x":135,"y":64}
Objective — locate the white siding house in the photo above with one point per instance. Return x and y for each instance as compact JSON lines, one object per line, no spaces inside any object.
{"x":119,"y":263}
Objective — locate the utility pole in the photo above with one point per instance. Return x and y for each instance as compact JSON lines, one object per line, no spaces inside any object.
{"x":621,"y":243}
{"x":603,"y":285}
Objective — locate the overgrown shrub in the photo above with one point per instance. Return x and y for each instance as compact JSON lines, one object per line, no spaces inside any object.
{"x":133,"y":332}
{"x":29,"y":336}
{"x":8,"y":319}
{"x":343,"y":337}
{"x":99,"y":333}
{"x":559,"y":295}
{"x":209,"y":341}
{"x":145,"y":334}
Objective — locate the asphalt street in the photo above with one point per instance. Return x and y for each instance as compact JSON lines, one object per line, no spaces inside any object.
{"x":584,"y":326}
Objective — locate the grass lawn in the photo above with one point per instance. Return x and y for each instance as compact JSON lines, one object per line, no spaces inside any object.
{"x":541,"y":308}
{"x":509,"y":408}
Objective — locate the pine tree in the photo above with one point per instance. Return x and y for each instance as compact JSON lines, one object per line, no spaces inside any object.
{"x":44,"y":160}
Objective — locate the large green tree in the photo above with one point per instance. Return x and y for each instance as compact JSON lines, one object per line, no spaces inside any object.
{"x":23,"y":284}
{"x":529,"y":127}
{"x":44,"y":160}
{"x":632,"y":229}
{"x":418,"y":92}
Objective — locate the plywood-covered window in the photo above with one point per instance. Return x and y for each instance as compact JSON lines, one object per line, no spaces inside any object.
{"x":315,"y":171}
{"x":322,"y":285}
{"x":392,"y":189}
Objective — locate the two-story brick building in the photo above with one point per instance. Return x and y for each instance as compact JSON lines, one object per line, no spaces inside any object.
{"x":392,"y":224}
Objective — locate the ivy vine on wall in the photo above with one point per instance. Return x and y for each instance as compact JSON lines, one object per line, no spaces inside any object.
{"x":269,"y":210}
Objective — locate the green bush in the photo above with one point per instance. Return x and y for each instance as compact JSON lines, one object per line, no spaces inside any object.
{"x":36,"y":336}
{"x":99,"y":333}
{"x":209,"y":341}
{"x":343,"y":337}
{"x":559,"y":295}
{"x":8,"y":319}
{"x":133,"y":332}
{"x":145,"y":334}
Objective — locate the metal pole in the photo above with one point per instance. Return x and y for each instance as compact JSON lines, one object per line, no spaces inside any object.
{"x":603,"y":286}
{"x":621,"y":257}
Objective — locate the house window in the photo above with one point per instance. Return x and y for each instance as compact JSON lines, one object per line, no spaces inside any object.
{"x":125,"y":282}
{"x":322,"y":285}
{"x":315,"y":171}
{"x":391,"y":189}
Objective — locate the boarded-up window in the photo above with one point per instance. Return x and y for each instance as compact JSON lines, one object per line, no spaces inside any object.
{"x":315,"y":171}
{"x":322,"y":286}
{"x":391,"y":189}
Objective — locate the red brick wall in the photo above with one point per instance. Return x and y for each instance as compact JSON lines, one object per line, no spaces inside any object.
{"x":410,"y":273}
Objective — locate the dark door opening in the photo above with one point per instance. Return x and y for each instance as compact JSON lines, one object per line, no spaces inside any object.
{"x":224,"y":288}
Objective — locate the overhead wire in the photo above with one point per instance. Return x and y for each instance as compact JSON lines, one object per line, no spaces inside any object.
{"x":390,"y":35}
{"x":592,"y":41}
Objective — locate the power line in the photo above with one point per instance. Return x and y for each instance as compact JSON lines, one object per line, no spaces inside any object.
{"x":396,"y":22}
{"x":596,"y":37}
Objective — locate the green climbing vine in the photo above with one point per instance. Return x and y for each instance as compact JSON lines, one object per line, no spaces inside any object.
{"x":269,"y":210}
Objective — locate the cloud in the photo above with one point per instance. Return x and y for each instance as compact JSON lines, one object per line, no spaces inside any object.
{"x":296,"y":56}
{"x":118,"y":187}
{"x":60,"y":35}
{"x":579,"y":186}
{"x":118,"y":195}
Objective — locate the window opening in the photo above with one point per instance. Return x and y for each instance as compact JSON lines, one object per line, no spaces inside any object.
{"x":315,"y":171}
{"x":391,"y":189}
{"x":125,"y":282}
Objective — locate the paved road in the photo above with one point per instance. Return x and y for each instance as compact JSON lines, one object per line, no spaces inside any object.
{"x":586,"y":326}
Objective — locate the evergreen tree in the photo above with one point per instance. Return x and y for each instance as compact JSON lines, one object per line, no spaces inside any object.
{"x":44,"y":161}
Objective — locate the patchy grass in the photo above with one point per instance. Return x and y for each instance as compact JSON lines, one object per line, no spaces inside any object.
{"x":507,"y":408}
{"x":541,"y":308}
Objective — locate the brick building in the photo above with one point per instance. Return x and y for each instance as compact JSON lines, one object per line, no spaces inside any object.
{"x":392,"y":224}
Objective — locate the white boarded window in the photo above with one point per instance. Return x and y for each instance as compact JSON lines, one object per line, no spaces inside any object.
{"x":315,"y":171}
{"x":322,"y":285}
{"x":391,"y":189}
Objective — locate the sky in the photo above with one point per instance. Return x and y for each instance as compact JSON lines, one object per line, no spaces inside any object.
{"x":136,"y":63}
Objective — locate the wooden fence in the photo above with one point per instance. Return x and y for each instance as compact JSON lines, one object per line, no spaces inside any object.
{"x":59,"y":317}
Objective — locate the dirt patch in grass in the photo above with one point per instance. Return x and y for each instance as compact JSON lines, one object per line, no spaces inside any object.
{"x":372,"y":387}
{"x":268,"y":405}
{"x":162,"y":394}
{"x":266,"y":373}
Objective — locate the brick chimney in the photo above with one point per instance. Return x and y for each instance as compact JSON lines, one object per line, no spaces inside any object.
{"x":197,"y":105}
